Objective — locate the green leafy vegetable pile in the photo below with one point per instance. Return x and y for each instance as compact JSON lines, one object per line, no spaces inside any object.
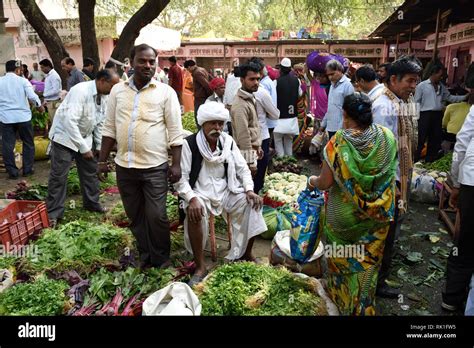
{"x":245,"y":288}
{"x":441,"y":165}
{"x":172,"y":207}
{"x":104,"y":284}
{"x":28,"y":193}
{"x":74,"y":184}
{"x":39,"y":119}
{"x":188,"y":122}
{"x":80,"y":246}
{"x":41,"y":297}
{"x":7,"y":262}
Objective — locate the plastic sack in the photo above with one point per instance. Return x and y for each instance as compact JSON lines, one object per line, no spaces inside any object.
{"x":316,"y":143}
{"x":423,"y":188}
{"x":281,"y":255}
{"x":38,"y":85}
{"x":6,"y":279}
{"x":276,"y":221}
{"x":41,"y":147}
{"x":305,"y":231}
{"x":174,"y":299}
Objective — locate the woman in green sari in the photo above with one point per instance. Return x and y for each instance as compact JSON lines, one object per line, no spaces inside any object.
{"x":359,"y":174}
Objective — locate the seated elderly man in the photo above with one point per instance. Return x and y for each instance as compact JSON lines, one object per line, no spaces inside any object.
{"x":216,"y":178}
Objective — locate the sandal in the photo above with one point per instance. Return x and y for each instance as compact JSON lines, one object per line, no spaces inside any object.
{"x":196,"y":279}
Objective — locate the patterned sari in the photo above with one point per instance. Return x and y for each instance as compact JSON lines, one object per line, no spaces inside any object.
{"x":360,"y":206}
{"x":303,"y":121}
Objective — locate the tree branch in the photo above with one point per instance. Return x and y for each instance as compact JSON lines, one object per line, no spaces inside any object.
{"x":144,"y":16}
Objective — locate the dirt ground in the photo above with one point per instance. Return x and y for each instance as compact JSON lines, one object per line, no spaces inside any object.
{"x":420,"y":280}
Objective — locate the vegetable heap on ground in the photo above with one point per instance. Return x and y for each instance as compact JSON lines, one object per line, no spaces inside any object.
{"x":28,"y":193}
{"x":284,"y":187}
{"x":80,"y":246}
{"x":74,"y":185}
{"x":285,"y":164}
{"x":441,"y":165}
{"x":245,"y":288}
{"x":41,"y":297}
{"x":172,"y":207}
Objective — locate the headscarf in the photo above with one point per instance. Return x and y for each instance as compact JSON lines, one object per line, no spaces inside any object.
{"x":216,"y":83}
{"x":212,"y":111}
{"x":273,"y":73}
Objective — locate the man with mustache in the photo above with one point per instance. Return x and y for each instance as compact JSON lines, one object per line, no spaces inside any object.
{"x":396,"y":109}
{"x":216,"y":178}
{"x":144,"y":119}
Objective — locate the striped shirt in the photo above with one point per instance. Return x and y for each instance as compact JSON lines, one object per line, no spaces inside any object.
{"x":145,"y":123}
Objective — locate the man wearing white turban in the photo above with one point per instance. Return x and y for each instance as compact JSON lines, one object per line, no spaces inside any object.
{"x":216,"y":178}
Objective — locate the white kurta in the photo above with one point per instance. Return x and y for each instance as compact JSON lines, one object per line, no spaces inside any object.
{"x":212,"y":192}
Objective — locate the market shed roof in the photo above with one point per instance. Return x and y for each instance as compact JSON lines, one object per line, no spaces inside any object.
{"x":421,"y":15}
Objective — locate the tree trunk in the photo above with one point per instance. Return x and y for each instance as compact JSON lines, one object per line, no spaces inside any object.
{"x":144,"y":16}
{"x":88,"y":36}
{"x":47,"y":34}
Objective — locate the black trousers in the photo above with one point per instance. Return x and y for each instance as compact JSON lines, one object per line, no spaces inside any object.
{"x":461,"y":259}
{"x":388,"y":251}
{"x":430,"y":128}
{"x":262,"y":167}
{"x":143,"y":193}
{"x":61,"y":161}
{"x":25,"y":131}
{"x":392,"y":235}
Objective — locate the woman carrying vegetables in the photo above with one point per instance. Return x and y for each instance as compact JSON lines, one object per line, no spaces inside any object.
{"x":359,"y":174}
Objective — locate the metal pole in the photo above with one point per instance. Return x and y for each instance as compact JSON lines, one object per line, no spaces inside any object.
{"x":409,"y":39}
{"x":435,"y":50}
{"x":396,"y":47}
{"x":386,"y":51}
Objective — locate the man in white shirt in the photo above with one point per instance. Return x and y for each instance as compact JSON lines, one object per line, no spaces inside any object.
{"x":430,"y":95}
{"x":216,"y":178}
{"x":217,"y":86}
{"x":15,"y":116}
{"x":270,"y":86}
{"x":366,"y":78}
{"x":396,"y":110}
{"x":52,"y":87}
{"x":232,"y":86}
{"x":267,"y":113}
{"x":341,"y":87}
{"x":36,"y":74}
{"x":76,"y":135}
{"x":461,"y":259}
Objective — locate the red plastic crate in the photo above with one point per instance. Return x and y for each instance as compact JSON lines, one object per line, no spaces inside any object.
{"x":19,"y":231}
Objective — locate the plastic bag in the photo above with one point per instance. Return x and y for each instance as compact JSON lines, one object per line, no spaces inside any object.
{"x":281,"y":255}
{"x":423,"y":188}
{"x":6,"y":279}
{"x":305,"y":232}
{"x":174,"y":299}
{"x":276,"y":221}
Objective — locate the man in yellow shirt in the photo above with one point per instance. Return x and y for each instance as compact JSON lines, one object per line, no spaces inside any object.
{"x":454,"y":117}
{"x":144,"y":119}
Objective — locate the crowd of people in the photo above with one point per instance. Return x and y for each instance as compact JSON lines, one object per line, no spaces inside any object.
{"x":377,"y":124}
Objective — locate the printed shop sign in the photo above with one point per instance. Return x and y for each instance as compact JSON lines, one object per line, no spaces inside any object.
{"x":301,"y":50}
{"x":254,"y":51}
{"x":370,"y":51}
